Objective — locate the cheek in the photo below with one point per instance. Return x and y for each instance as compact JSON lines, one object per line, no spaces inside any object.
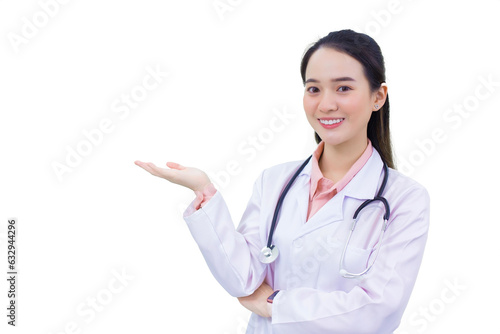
{"x":359,"y":107}
{"x":309,"y":105}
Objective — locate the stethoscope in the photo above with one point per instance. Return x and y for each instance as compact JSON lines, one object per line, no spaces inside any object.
{"x":270,"y":252}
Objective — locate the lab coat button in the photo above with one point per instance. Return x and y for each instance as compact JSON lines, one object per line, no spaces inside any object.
{"x":298,"y":243}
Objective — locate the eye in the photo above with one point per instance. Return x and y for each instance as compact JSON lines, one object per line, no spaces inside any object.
{"x":312,"y":89}
{"x":344,"y":89}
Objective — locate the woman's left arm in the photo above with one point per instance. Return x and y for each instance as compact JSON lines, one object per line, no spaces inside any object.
{"x":377,"y":303}
{"x":257,"y":301}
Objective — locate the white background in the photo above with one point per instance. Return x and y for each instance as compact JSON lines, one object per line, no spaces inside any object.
{"x":228,"y":74}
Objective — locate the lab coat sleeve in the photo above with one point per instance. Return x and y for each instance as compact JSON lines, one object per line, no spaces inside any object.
{"x":231,"y":254}
{"x":377,"y":303}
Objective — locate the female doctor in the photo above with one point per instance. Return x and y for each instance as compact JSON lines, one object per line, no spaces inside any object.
{"x":319,"y":275}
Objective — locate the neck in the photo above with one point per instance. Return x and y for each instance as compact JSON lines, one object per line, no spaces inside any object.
{"x":336,"y":160}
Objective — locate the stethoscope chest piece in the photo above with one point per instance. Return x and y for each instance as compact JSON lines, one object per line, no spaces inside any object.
{"x":268,"y":254}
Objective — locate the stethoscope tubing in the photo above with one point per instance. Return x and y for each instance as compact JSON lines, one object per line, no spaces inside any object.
{"x":280,"y":202}
{"x":269,"y":253}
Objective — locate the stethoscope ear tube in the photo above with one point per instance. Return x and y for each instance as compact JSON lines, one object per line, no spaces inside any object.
{"x":269,"y":253}
{"x":368,"y":201}
{"x":280,"y":202}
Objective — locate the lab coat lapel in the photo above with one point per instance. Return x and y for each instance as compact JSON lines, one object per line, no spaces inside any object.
{"x":302,"y":197}
{"x":329,"y":213}
{"x":363,"y":186}
{"x":366,"y":182}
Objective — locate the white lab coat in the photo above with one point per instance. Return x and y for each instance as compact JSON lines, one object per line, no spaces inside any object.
{"x":314,"y":297}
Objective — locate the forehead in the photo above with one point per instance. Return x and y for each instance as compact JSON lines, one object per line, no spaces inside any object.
{"x":327,"y":63}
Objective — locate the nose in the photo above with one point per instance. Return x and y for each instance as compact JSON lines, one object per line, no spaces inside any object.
{"x":328,"y":102}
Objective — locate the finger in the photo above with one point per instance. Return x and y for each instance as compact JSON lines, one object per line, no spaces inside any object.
{"x":141,"y":164}
{"x":150,"y":167}
{"x":147,"y":167}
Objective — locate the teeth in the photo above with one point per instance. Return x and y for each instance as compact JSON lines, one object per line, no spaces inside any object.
{"x":333,"y":121}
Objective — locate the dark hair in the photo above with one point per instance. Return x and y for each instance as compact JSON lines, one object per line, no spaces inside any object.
{"x":365,"y":50}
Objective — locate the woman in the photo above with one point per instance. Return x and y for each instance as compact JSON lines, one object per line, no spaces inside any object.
{"x":312,"y":287}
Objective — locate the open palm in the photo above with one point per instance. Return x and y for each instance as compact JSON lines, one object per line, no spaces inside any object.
{"x":190,"y":177}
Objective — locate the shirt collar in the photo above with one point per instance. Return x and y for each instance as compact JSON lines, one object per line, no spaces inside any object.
{"x":327,"y":185}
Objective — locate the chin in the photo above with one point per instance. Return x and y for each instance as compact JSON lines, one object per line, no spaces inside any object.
{"x":332,"y":139}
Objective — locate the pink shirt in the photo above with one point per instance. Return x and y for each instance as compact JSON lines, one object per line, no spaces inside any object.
{"x":322,"y":189}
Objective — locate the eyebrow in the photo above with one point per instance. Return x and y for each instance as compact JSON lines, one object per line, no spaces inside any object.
{"x":333,"y":80}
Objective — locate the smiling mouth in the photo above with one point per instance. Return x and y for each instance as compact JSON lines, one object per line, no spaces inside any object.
{"x":331,"y":121}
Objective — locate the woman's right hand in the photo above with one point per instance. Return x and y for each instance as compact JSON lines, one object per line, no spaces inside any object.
{"x":190,"y":177}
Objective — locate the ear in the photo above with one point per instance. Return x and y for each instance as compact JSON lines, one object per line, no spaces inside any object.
{"x":379,"y":97}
